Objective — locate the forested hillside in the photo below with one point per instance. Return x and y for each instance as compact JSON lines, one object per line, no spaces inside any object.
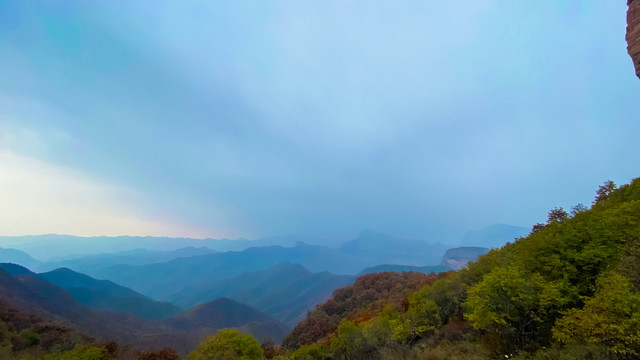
{"x":367,"y":297}
{"x":568,"y":290}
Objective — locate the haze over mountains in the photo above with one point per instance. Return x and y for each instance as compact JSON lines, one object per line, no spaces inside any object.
{"x":54,"y":247}
{"x":33,"y":294}
{"x":223,"y":119}
{"x":63,"y":247}
{"x":493,"y":236}
{"x":263,"y":287}
{"x":88,"y":263}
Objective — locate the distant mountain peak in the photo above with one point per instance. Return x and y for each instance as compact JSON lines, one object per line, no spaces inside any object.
{"x":221,"y":313}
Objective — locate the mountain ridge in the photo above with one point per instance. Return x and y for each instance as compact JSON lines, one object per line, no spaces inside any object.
{"x":106,"y":295}
{"x":35,"y":295}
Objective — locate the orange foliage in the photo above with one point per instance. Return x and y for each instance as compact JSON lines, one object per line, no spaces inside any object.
{"x":367,"y":297}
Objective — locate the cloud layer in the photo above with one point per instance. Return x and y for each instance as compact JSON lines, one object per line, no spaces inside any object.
{"x":422,"y":119}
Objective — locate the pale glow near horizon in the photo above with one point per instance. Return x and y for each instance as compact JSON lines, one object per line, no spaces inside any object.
{"x":41,"y":198}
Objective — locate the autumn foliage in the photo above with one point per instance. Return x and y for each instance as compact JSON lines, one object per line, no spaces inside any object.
{"x":569,"y":290}
{"x":359,"y":302}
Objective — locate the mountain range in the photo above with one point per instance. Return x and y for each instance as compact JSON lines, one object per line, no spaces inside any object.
{"x":18,"y":257}
{"x":55,"y":247}
{"x":32,"y":293}
{"x":283,"y":282}
{"x":285,"y":291}
{"x":89,"y":263}
{"x":178,"y":296}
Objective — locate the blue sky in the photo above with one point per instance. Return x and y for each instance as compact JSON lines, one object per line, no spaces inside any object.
{"x":253,"y":118}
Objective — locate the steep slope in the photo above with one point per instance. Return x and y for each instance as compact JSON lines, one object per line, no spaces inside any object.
{"x":25,"y":335}
{"x":369,"y":295}
{"x":34,"y":295}
{"x":107,"y":296}
{"x":569,"y":290}
{"x":633,"y":33}
{"x":15,"y":269}
{"x":285,"y":291}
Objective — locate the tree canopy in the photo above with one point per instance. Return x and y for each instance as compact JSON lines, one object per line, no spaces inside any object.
{"x":228,"y":344}
{"x":569,"y":290}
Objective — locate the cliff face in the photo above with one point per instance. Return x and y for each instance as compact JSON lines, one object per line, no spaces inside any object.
{"x":633,"y":33}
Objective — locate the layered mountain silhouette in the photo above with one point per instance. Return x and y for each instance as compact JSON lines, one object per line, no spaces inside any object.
{"x":18,"y":257}
{"x":54,"y":246}
{"x":61,"y":248}
{"x":164,"y":280}
{"x":282,"y":282}
{"x":33,"y":294}
{"x":285,"y":291}
{"x":100,"y":294}
{"x":89,"y":263}
{"x":108,"y":296}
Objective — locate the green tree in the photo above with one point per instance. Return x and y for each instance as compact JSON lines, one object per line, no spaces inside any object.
{"x":159,"y":354}
{"x":511,"y":304}
{"x":611,"y":318}
{"x":228,"y":344}
{"x":309,"y":352}
{"x":348,"y":342}
{"x":79,"y":352}
{"x":424,"y":313}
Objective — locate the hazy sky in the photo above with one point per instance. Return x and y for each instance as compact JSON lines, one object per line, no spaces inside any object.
{"x":252,"y":118}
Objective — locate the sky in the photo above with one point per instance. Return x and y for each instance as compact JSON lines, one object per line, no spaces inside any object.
{"x":227,"y":119}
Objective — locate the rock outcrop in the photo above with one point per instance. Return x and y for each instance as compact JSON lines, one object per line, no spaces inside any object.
{"x":633,"y":33}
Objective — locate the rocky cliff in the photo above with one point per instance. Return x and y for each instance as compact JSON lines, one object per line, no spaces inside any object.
{"x":633,"y":33}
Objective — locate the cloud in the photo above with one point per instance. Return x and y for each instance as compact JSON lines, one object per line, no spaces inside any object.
{"x":322,"y":117}
{"x":40,"y":198}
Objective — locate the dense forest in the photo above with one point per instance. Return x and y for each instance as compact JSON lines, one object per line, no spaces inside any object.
{"x":568,"y":290}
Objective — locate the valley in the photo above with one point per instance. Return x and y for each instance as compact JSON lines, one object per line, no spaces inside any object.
{"x":176,"y":297}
